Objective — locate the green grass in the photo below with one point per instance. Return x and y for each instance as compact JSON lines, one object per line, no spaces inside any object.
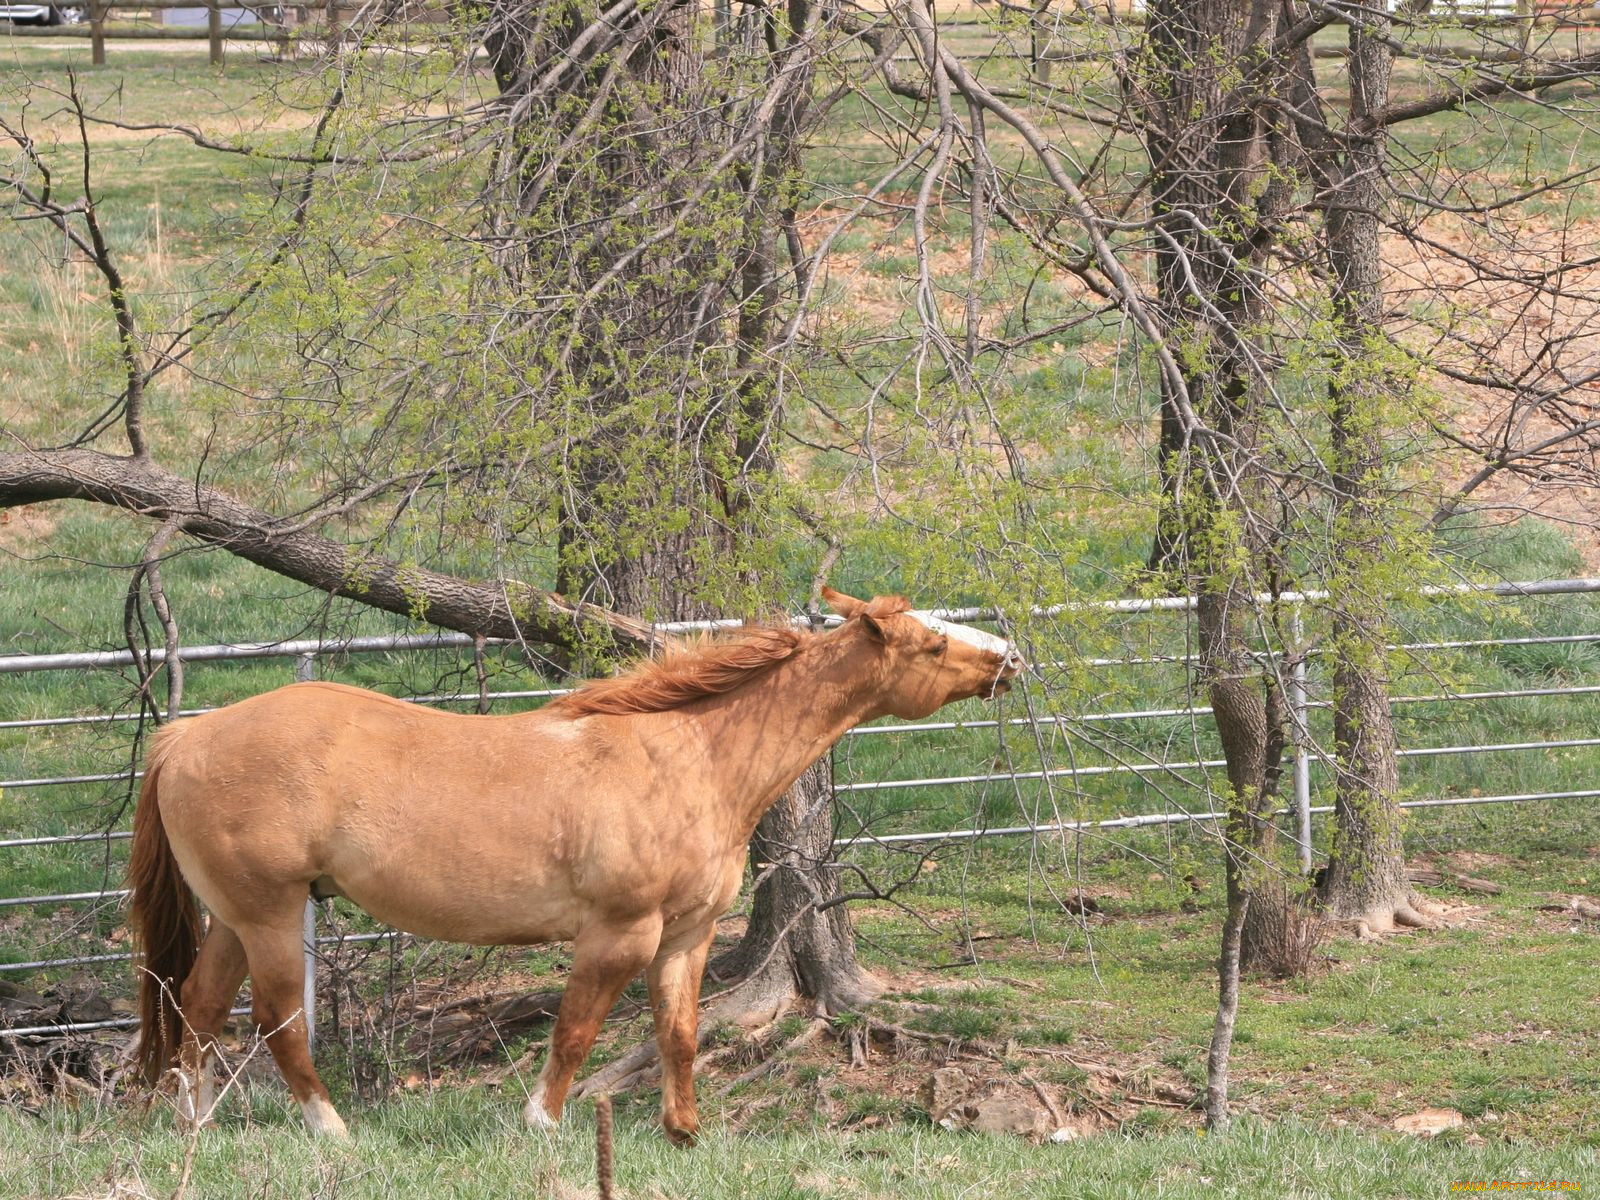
{"x":469,"y":1144}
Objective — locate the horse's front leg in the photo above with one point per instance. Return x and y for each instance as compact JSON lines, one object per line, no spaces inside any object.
{"x":604,"y":958}
{"x":674,"y":977}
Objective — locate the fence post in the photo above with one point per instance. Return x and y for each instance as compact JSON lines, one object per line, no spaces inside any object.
{"x":308,"y":995}
{"x":1300,"y":717}
{"x":1039,"y":38}
{"x":97,"y":32}
{"x":214,"y":30}
{"x":305,"y":669}
{"x":284,"y":14}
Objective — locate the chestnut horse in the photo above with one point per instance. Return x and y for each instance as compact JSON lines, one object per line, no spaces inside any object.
{"x":616,"y":817}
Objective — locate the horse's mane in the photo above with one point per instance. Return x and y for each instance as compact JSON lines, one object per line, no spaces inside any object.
{"x":687,"y":671}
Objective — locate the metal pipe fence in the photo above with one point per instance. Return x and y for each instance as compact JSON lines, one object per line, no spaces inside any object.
{"x":1306,"y":754}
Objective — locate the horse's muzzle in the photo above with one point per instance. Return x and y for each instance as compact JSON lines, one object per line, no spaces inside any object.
{"x":1010,"y":667}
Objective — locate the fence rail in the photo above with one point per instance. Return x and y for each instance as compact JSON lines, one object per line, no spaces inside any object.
{"x":1039,"y":35}
{"x":306,"y":651}
{"x":266,"y":22}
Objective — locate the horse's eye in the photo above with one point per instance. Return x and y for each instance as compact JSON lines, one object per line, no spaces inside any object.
{"x":940,"y":646}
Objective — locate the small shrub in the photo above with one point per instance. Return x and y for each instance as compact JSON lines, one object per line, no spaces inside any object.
{"x":1282,"y":930}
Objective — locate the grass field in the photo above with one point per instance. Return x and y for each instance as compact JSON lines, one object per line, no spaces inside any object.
{"x":1495,"y":1015}
{"x":466,"y":1146}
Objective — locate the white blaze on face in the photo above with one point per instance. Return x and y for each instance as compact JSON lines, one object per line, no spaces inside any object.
{"x":963,"y":633}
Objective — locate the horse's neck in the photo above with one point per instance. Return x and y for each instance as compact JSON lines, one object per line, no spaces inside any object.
{"x":782,"y":722}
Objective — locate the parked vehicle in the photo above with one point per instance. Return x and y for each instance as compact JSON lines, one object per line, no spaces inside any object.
{"x":43,"y":14}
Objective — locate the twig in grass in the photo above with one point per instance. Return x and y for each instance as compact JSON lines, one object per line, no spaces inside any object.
{"x":189,"y":1151}
{"x":774,"y":1057}
{"x":1039,"y":1090}
{"x":765,"y":1067}
{"x":890,"y":1029}
{"x":1108,"y":1113}
{"x":201,"y":1120}
{"x":1137,"y":1098}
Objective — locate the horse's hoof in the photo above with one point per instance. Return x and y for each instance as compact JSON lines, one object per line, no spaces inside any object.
{"x":535,"y":1117}
{"x":685,"y":1138}
{"x":322,"y":1120}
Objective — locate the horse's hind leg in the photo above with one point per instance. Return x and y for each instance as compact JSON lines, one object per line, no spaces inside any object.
{"x":277,"y":980}
{"x":205,"y":998}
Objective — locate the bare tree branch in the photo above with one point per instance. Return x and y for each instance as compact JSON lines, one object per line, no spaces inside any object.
{"x":494,"y":609}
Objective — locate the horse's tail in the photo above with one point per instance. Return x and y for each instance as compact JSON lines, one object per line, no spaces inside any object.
{"x":165,"y":920}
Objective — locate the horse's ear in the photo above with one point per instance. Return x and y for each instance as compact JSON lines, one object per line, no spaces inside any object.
{"x":845,"y":606}
{"x":887,"y":606}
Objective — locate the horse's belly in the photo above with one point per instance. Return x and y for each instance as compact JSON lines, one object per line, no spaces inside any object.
{"x":476,"y":915}
{"x":459,"y":863}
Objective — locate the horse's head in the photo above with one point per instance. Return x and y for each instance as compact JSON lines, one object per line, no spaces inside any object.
{"x":929,"y":662}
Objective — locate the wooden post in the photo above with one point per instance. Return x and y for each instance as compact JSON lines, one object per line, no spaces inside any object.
{"x":97,"y":32}
{"x":332,"y":10}
{"x":214,"y":30}
{"x":603,"y":1171}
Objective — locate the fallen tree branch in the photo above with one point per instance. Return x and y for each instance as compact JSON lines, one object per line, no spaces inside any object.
{"x":472,"y":1028}
{"x":498,"y":609}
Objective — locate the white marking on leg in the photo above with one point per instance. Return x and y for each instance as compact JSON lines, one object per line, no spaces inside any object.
{"x":197,"y":1095}
{"x":534,"y":1112}
{"x":322,"y":1119}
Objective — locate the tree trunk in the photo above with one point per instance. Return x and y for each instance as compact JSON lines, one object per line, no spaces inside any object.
{"x":791,"y":950}
{"x":1247,"y":707}
{"x":661,"y":519}
{"x":1210,"y":152}
{"x":1366,"y":877}
{"x":1221,"y":1052}
{"x":640,"y":531}
{"x":1207,"y":141}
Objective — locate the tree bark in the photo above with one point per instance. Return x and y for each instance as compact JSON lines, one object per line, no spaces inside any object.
{"x":1221,"y":1052}
{"x":639,"y":530}
{"x":791,"y":950}
{"x":1210,"y":151}
{"x":1366,"y":877}
{"x":1207,"y":144}
{"x":662,"y":517}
